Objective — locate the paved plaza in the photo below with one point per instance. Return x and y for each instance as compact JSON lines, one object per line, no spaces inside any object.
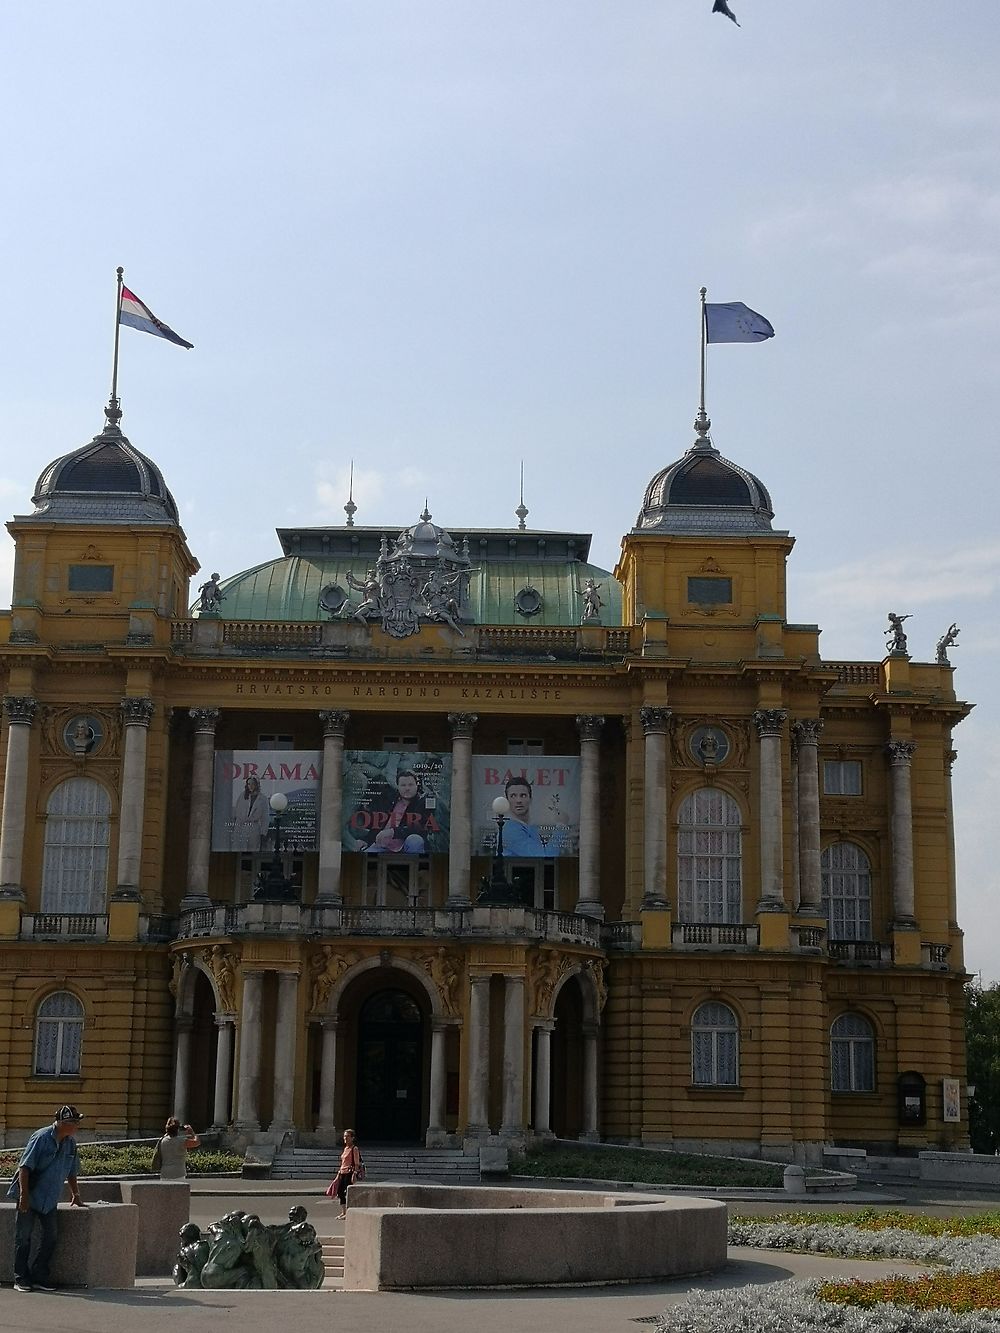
{"x":155,"y":1306}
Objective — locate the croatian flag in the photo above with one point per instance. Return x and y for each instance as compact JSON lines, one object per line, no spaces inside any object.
{"x":734,"y":322}
{"x":139,"y":316}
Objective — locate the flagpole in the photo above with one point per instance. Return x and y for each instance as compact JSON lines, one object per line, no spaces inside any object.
{"x":701,"y":422}
{"x":113,"y":409}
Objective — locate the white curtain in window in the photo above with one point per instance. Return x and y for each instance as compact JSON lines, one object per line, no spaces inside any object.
{"x":852,"y":1054}
{"x":59,"y":1034}
{"x":847,"y":892}
{"x":77,"y":832}
{"x":709,"y":854}
{"x":715,"y":1037}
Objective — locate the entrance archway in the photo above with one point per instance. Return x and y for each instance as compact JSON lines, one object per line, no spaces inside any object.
{"x":567,"y":1061}
{"x":390,"y":1066}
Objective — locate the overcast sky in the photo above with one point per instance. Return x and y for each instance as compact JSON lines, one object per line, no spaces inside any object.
{"x":441,"y":237}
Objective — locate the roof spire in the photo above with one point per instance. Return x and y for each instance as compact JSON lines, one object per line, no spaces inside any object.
{"x":521,"y":511}
{"x":350,"y":509}
{"x":425,"y":517}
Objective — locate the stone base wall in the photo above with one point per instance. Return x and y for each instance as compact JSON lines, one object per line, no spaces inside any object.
{"x":96,"y":1247}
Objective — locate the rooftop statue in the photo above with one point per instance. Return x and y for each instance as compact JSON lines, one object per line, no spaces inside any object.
{"x":211,"y":595}
{"x":894,"y":635}
{"x":947,"y":640}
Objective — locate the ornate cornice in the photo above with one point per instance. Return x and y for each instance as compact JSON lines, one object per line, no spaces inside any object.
{"x":20,"y":709}
{"x":463,"y":725}
{"x":335,"y":722}
{"x":137,"y":711}
{"x":769,"y":721}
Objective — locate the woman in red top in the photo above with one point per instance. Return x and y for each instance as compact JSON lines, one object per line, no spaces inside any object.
{"x":350,"y":1160}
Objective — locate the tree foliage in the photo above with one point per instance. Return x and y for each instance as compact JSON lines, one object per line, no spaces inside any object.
{"x":982,"y":1035}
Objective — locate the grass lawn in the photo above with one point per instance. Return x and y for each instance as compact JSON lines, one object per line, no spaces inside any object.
{"x":648,"y":1167}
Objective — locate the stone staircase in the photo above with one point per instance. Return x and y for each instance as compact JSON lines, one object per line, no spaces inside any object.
{"x":333,"y":1260}
{"x":431,"y":1166}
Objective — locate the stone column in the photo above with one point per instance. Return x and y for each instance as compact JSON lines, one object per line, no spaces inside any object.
{"x":182,"y":1067}
{"x":331,"y":807}
{"x":900,"y":755}
{"x":460,"y":839}
{"x":439,"y":1076}
{"x":589,"y":1132}
{"x":770,"y":723}
{"x":327,"y":1077}
{"x":200,"y":827}
{"x":543,"y":1078}
{"x":136,"y":713}
{"x":513,"y":1056}
{"x":589,"y":899}
{"x":20,"y":710}
{"x":248,"y":1095}
{"x":223,"y":1064}
{"x":285,"y":1031}
{"x":806,"y":732}
{"x":656,"y":729}
{"x":479,"y":1056}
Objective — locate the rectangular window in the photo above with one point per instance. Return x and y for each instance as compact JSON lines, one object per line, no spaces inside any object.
{"x":710,"y":591}
{"x":402,"y":744}
{"x":269,"y":741}
{"x":525,"y":745}
{"x":842,"y":777}
{"x":91,"y":578}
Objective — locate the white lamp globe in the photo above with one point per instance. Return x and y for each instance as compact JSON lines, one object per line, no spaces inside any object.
{"x":501,"y":806}
{"x":279,"y":803}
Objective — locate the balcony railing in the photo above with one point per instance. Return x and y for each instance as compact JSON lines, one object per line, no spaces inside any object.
{"x":294,"y":918}
{"x":935,"y":956}
{"x":808,"y":939}
{"x":869,"y":952}
{"x":714,"y":935}
{"x":64,"y":926}
{"x":622,"y":935}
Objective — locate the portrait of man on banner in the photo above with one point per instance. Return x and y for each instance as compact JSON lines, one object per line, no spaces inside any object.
{"x":543,"y":793}
{"x":396,"y":802}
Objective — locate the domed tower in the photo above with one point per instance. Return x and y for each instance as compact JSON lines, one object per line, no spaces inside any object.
{"x":102,"y":557}
{"x":703,"y":555}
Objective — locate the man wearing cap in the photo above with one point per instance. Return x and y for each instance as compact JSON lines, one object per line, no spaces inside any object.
{"x":49,"y":1160}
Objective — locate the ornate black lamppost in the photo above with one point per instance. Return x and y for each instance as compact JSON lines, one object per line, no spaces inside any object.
{"x":273,"y":885}
{"x":497,"y":891}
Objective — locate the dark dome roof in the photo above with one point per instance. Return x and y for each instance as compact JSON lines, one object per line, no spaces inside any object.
{"x":705,"y":493}
{"x":106,"y":481}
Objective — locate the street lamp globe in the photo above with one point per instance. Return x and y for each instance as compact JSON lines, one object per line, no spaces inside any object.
{"x":501,"y":807}
{"x":279,"y":802}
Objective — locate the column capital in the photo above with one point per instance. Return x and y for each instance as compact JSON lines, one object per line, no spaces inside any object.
{"x":900,"y":752}
{"x":334,"y":722}
{"x":589,"y":726}
{"x":806,"y":730}
{"x":769,"y":721}
{"x":950,"y":756}
{"x":205,"y":719}
{"x":225,"y":1020}
{"x":20,"y":709}
{"x":655,"y":720}
{"x":463,"y":725}
{"x":137,"y":711}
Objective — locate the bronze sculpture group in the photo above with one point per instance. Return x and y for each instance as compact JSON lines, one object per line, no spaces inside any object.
{"x":239,"y":1251}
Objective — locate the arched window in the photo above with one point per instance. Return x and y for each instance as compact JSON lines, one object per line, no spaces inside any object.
{"x":847,"y":892}
{"x":852,"y":1054}
{"x":75,"y":866}
{"x":708,"y":857}
{"x":58,"y":1035}
{"x":715,"y":1046}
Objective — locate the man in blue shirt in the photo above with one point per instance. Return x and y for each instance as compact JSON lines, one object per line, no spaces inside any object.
{"x":49,"y":1160}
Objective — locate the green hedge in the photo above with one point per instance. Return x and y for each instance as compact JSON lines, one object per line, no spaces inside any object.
{"x":97,"y":1159}
{"x":649,"y":1168}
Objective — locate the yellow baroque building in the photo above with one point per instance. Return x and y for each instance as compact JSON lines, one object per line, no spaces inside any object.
{"x":445,"y":834}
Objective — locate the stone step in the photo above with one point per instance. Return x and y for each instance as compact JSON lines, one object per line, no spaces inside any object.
{"x":333,"y":1259}
{"x":438,"y":1164}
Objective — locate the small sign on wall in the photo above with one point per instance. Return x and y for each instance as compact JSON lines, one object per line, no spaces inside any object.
{"x":951,"y":1099}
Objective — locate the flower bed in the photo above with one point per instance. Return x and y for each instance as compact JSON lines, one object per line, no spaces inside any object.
{"x":963,"y":1299}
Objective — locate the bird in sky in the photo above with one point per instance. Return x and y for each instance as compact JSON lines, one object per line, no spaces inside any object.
{"x":720,"y":7}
